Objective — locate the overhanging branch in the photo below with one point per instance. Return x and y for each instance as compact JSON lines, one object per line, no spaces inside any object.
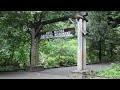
{"x":57,"y":20}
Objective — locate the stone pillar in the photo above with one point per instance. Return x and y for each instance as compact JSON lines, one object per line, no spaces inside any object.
{"x":84,"y":45}
{"x":79,"y":48}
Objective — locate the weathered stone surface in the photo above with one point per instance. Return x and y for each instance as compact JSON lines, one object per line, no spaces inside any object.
{"x":82,"y":73}
{"x":35,"y":68}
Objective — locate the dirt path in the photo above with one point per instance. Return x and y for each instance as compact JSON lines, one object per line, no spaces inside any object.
{"x":56,"y":73}
{"x":66,"y":70}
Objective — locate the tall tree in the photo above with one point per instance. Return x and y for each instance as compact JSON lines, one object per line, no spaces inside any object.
{"x":98,"y":29}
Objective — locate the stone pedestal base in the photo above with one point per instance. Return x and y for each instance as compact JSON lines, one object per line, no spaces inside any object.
{"x":35,"y":68}
{"x":81,"y":74}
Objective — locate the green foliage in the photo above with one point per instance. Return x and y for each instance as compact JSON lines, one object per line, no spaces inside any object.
{"x":15,"y":39}
{"x":113,"y":72}
{"x":97,"y":33}
{"x":58,"y":52}
{"x":102,"y":38}
{"x":15,"y":36}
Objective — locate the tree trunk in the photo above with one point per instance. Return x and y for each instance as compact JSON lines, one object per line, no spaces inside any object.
{"x":100,"y":51}
{"x":32,"y":47}
{"x":13,"y":50}
{"x":111,"y":52}
{"x":37,"y":36}
{"x":37,"y":51}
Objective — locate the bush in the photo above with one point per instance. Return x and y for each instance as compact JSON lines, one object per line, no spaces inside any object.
{"x":58,"y":52}
{"x":11,"y":66}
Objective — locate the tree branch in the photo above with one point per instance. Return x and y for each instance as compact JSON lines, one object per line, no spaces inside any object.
{"x":38,"y":30}
{"x":57,"y":20}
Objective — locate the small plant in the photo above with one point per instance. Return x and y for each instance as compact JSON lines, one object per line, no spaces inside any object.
{"x":113,"y":72}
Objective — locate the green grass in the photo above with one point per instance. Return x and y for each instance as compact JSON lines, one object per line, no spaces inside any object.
{"x":113,"y":72}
